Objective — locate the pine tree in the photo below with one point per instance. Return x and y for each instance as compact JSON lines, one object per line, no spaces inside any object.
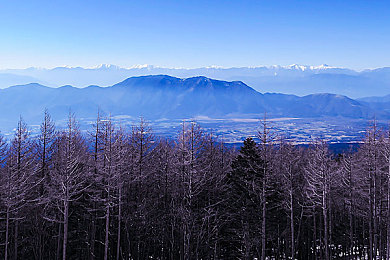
{"x":245,"y":181}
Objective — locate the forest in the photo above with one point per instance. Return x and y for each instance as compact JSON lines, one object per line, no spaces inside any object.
{"x":116,"y":192}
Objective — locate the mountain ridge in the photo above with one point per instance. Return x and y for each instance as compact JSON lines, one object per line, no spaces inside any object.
{"x":163,"y":96}
{"x":293,"y":79}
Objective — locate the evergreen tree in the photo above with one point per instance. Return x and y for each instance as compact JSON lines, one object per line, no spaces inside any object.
{"x":245,"y":182}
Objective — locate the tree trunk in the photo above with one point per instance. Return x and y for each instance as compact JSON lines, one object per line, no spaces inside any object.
{"x":330,"y":226}
{"x":65,"y":240}
{"x":370,"y":230}
{"x":263,"y":220}
{"x":118,"y":245}
{"x":292,"y":224}
{"x":315,"y":233}
{"x":375,"y":230}
{"x":93,"y":238}
{"x":388,"y":214}
{"x":351,"y":251}
{"x":326,"y":228}
{"x":351,"y":244}
{"x":107,"y":232}
{"x":16,"y":239}
{"x":41,"y":239}
{"x":58,"y":242}
{"x":6,"y":235}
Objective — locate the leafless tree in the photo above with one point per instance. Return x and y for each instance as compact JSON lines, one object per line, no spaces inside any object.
{"x":320,"y":174}
{"x":188,"y":147}
{"x":6,"y":192}
{"x":17,"y":180}
{"x":370,"y":158}
{"x":43,"y":149}
{"x":69,"y":175}
{"x":290,"y":161}
{"x":267,"y":138}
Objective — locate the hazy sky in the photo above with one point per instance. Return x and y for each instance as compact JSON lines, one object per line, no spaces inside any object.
{"x":353,"y":34}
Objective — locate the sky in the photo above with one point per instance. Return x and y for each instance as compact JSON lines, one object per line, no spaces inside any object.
{"x":188,"y":34}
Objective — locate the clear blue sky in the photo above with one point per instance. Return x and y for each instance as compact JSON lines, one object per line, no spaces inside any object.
{"x":353,"y":34}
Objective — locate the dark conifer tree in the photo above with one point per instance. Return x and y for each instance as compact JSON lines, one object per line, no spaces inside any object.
{"x":243,"y":232}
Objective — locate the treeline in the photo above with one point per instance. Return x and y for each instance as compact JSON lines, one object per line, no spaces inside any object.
{"x":123,"y":193}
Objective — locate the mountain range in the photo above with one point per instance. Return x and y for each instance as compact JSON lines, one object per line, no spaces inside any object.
{"x":165,"y":97}
{"x":293,"y":79}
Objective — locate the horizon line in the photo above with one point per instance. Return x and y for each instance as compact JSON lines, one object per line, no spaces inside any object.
{"x":302,"y":67}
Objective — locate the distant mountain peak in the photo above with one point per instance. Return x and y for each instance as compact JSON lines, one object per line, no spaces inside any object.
{"x":141,"y":66}
{"x":106,"y":66}
{"x":329,"y":95}
{"x":297,"y":67}
{"x":29,"y":85}
{"x":323,"y":66}
{"x":307,"y":67}
{"x":66,"y":87}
